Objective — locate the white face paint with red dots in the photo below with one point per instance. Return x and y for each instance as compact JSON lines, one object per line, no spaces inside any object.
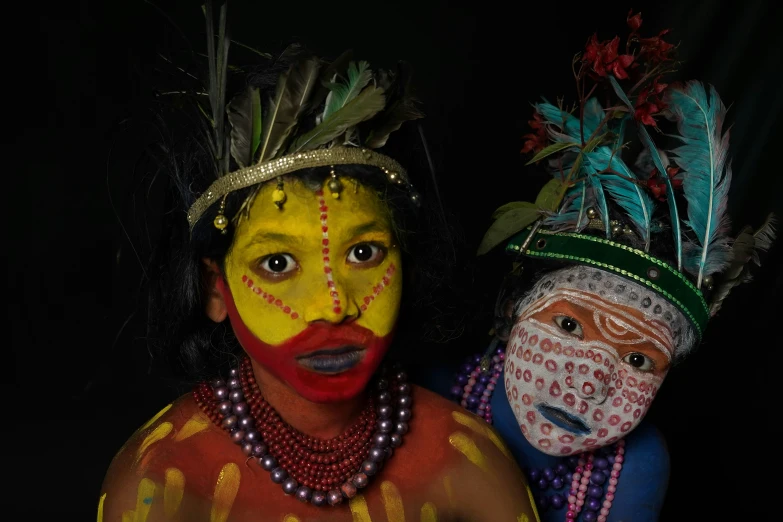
{"x":582,"y":382}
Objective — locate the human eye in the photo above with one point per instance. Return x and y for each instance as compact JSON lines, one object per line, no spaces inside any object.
{"x":569,"y":325}
{"x":640,"y":361}
{"x":277,"y":267}
{"x":366,"y":255}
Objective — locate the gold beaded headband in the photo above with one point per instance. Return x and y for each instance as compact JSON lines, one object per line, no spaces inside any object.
{"x":261,"y":173}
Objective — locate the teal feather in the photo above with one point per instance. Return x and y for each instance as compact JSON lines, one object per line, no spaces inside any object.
{"x":568,"y":123}
{"x":342,"y":93}
{"x":658,"y":162}
{"x":573,"y":212}
{"x":707,"y":175}
{"x":621,"y":184}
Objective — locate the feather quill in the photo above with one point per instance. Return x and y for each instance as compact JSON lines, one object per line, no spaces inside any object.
{"x":573,"y":212}
{"x":289,"y":103}
{"x":218,"y":61}
{"x":328,"y":75}
{"x":707,"y":175}
{"x":657,"y":161}
{"x":569,"y":124}
{"x":368,"y":103}
{"x":244,"y":114}
{"x":621,"y":184}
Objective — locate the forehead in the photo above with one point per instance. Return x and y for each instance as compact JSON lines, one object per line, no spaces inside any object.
{"x":617,"y":295}
{"x":306,"y":206}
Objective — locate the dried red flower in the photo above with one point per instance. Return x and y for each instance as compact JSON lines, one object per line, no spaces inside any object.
{"x":535,"y":141}
{"x":634,"y":21}
{"x":604,"y":59}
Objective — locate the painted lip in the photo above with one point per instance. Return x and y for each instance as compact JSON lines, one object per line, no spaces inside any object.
{"x":332,"y":360}
{"x":563,"y":419}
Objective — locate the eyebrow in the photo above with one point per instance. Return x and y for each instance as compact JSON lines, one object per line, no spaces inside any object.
{"x":263,"y":237}
{"x":372,"y":226}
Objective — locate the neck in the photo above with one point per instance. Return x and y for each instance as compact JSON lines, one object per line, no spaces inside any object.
{"x":321,"y":420}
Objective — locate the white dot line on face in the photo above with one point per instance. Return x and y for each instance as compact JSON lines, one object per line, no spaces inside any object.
{"x":332,"y":288}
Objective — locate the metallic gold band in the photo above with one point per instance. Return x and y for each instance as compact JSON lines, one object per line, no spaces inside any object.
{"x":301,"y":160}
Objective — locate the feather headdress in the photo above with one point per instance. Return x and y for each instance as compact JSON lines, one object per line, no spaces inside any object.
{"x":601,"y":209}
{"x":320,"y":114}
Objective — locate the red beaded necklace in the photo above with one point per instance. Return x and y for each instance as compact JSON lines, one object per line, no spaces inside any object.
{"x":316,"y":466}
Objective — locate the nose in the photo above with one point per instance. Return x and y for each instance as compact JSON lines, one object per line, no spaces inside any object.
{"x":588,"y":380}
{"x":330,"y":301}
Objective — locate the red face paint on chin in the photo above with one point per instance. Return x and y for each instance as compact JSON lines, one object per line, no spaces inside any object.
{"x":281,"y":359}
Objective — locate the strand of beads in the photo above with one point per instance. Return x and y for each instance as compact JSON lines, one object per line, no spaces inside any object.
{"x":474,"y":386}
{"x":614,"y":477}
{"x":315,"y":470}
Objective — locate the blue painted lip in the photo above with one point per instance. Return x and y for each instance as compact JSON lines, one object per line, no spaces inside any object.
{"x":333,"y":361}
{"x":563,"y":419}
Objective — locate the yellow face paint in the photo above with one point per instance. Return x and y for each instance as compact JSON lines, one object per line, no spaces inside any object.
{"x":303,"y":257}
{"x":226,"y":490}
{"x":314,"y":288}
{"x":144,"y":498}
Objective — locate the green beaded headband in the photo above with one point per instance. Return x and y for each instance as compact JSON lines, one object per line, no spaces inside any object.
{"x":621,"y":259}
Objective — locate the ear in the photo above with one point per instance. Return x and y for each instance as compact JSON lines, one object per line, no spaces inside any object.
{"x":504,"y":321}
{"x":214,"y":305}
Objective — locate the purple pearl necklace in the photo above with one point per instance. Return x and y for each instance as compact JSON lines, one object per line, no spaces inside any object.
{"x":477,"y":379}
{"x":395,"y":409}
{"x":475,"y":382}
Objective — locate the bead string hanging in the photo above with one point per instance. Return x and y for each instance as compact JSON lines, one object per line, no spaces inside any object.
{"x":318,"y":471}
{"x":474,"y":385}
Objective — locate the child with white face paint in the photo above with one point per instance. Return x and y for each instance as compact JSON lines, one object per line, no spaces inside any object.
{"x":618,"y":269}
{"x":586,"y":355}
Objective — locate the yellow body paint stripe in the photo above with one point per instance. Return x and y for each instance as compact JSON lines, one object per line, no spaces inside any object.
{"x":156,"y":417}
{"x":428,"y":513}
{"x":359,"y":509}
{"x":449,"y":490}
{"x":100,"y":507}
{"x":198,"y":422}
{"x":392,"y":501}
{"x":225,"y":492}
{"x":532,"y":502}
{"x":144,"y":498}
{"x":482,"y":428}
{"x":160,"y":431}
{"x":173,"y":490}
{"x":467,"y":447}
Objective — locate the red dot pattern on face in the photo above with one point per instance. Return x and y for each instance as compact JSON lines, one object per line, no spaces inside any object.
{"x":269,"y":298}
{"x":377,"y":289}
{"x":577,"y":380}
{"x":327,"y":268}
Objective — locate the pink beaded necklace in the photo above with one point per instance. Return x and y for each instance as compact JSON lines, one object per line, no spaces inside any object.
{"x":581,"y":479}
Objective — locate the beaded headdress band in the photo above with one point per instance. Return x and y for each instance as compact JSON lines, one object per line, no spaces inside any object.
{"x":319,"y":115}
{"x":600,"y":211}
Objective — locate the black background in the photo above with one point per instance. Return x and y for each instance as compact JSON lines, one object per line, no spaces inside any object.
{"x":79,"y":124}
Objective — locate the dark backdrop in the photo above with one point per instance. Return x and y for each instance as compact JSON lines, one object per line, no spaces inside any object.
{"x":76,"y":259}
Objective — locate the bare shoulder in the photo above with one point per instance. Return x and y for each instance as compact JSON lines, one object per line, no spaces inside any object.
{"x":161,"y":453}
{"x":466,"y":465}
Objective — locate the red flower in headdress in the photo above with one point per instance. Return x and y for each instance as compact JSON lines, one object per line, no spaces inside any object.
{"x":658,"y":186}
{"x":535,"y":141}
{"x":649,"y":102}
{"x":655,"y":50}
{"x":635,"y":21}
{"x":603,"y":57}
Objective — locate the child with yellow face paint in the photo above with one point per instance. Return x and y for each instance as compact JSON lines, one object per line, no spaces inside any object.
{"x":296,"y":259}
